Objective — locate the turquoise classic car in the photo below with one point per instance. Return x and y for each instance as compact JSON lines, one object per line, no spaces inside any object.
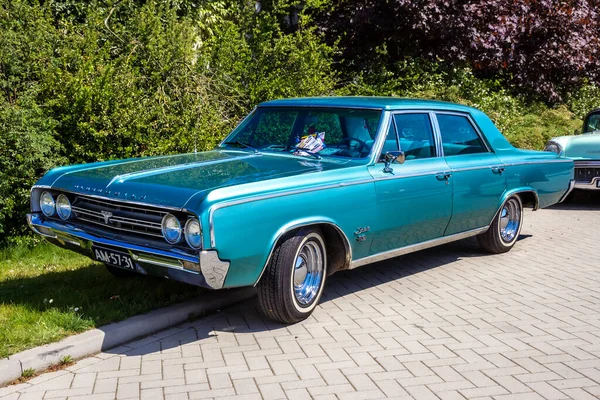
{"x":584,"y":150}
{"x":302,"y":188}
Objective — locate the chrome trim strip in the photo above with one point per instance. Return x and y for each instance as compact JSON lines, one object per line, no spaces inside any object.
{"x":35,"y":229}
{"x":41,"y":187}
{"x":392,"y":177}
{"x":586,"y":163}
{"x":477,"y":168}
{"x":437,"y":135}
{"x":552,"y":160}
{"x":571,"y":186}
{"x":415,"y":247}
{"x":212,"y":209}
{"x":308,"y":223}
{"x":156,"y":261}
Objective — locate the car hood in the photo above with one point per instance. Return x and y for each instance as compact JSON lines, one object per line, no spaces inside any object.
{"x":582,"y":147}
{"x":172,"y":180}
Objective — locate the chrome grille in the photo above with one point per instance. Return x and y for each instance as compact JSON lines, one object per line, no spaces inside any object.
{"x":586,"y":173}
{"x":119,"y":216}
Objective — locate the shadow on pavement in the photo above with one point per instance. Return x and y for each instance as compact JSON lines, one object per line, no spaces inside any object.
{"x":244,"y":317}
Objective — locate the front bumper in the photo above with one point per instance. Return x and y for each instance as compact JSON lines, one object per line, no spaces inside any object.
{"x":205,"y":270}
{"x":569,"y":190}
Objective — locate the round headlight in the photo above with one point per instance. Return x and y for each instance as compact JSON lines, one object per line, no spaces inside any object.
{"x":193,"y":233}
{"x":554,"y":147}
{"x":171,"y":229}
{"x":63,"y":206}
{"x":47,"y":204}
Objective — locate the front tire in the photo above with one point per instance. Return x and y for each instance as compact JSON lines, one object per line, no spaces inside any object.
{"x":293,"y":280}
{"x":505,"y":229}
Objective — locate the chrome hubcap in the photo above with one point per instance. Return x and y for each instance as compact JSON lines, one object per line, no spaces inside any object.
{"x":510,"y":220}
{"x":308,"y":272}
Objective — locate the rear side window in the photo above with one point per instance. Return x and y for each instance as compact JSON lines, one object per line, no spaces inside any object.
{"x":459,"y":136}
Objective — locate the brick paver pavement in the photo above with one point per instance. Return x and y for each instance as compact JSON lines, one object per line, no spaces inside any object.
{"x":446,"y":323}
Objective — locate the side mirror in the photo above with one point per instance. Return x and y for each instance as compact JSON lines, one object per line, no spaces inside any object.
{"x":391,"y":157}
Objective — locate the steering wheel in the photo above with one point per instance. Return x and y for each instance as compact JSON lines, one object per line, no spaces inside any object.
{"x":362,"y":144}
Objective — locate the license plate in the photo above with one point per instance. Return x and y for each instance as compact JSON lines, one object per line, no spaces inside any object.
{"x":114,"y":258}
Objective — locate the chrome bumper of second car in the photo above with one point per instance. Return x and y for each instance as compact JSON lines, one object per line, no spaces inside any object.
{"x":594,"y":184}
{"x":207,"y":269}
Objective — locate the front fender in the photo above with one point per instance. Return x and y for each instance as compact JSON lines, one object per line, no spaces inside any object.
{"x":246,"y":233}
{"x":304,"y":222}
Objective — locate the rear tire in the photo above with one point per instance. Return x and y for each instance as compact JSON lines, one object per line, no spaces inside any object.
{"x":505,"y":229}
{"x":120,"y":272}
{"x":293,"y":280}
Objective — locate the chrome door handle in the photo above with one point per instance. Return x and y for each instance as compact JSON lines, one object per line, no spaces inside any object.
{"x":497,"y":170}
{"x":443,"y":175}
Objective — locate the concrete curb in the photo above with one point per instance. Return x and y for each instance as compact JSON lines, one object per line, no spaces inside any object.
{"x":113,"y":335}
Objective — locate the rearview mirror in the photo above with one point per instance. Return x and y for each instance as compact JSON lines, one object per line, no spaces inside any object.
{"x":393,"y":156}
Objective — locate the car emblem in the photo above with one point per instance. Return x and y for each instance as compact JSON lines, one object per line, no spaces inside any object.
{"x":106,"y":215}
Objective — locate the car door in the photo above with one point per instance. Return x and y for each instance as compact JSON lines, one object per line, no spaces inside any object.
{"x":477,"y":174}
{"x":414,"y":201}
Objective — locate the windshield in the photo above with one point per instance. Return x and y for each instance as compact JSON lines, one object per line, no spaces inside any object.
{"x":592,"y":123}
{"x":307,"y":131}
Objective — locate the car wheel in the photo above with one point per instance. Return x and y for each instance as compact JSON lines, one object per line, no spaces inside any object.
{"x":293,"y":280}
{"x":120,"y":272}
{"x":504,"y":230}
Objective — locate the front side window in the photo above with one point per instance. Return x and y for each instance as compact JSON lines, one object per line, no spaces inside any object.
{"x":592,"y":123}
{"x":416,"y":135}
{"x":459,"y":136}
{"x":308,"y":131}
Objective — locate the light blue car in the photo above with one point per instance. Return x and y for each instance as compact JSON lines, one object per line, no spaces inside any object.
{"x":584,"y":150}
{"x":302,"y":188}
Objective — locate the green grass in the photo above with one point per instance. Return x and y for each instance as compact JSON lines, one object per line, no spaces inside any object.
{"x":47,"y":293}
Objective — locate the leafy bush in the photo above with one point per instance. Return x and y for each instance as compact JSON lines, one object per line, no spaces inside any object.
{"x":584,"y":100}
{"x":27,"y":150}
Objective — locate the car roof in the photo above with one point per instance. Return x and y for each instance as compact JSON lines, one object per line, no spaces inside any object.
{"x":381,"y":103}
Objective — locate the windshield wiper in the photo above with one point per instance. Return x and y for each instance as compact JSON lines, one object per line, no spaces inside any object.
{"x":241,"y":144}
{"x":315,"y":155}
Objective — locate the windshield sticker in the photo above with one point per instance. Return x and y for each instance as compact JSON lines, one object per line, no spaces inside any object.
{"x":312,"y":143}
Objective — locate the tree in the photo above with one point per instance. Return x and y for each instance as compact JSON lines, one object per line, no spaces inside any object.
{"x":542,"y":47}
